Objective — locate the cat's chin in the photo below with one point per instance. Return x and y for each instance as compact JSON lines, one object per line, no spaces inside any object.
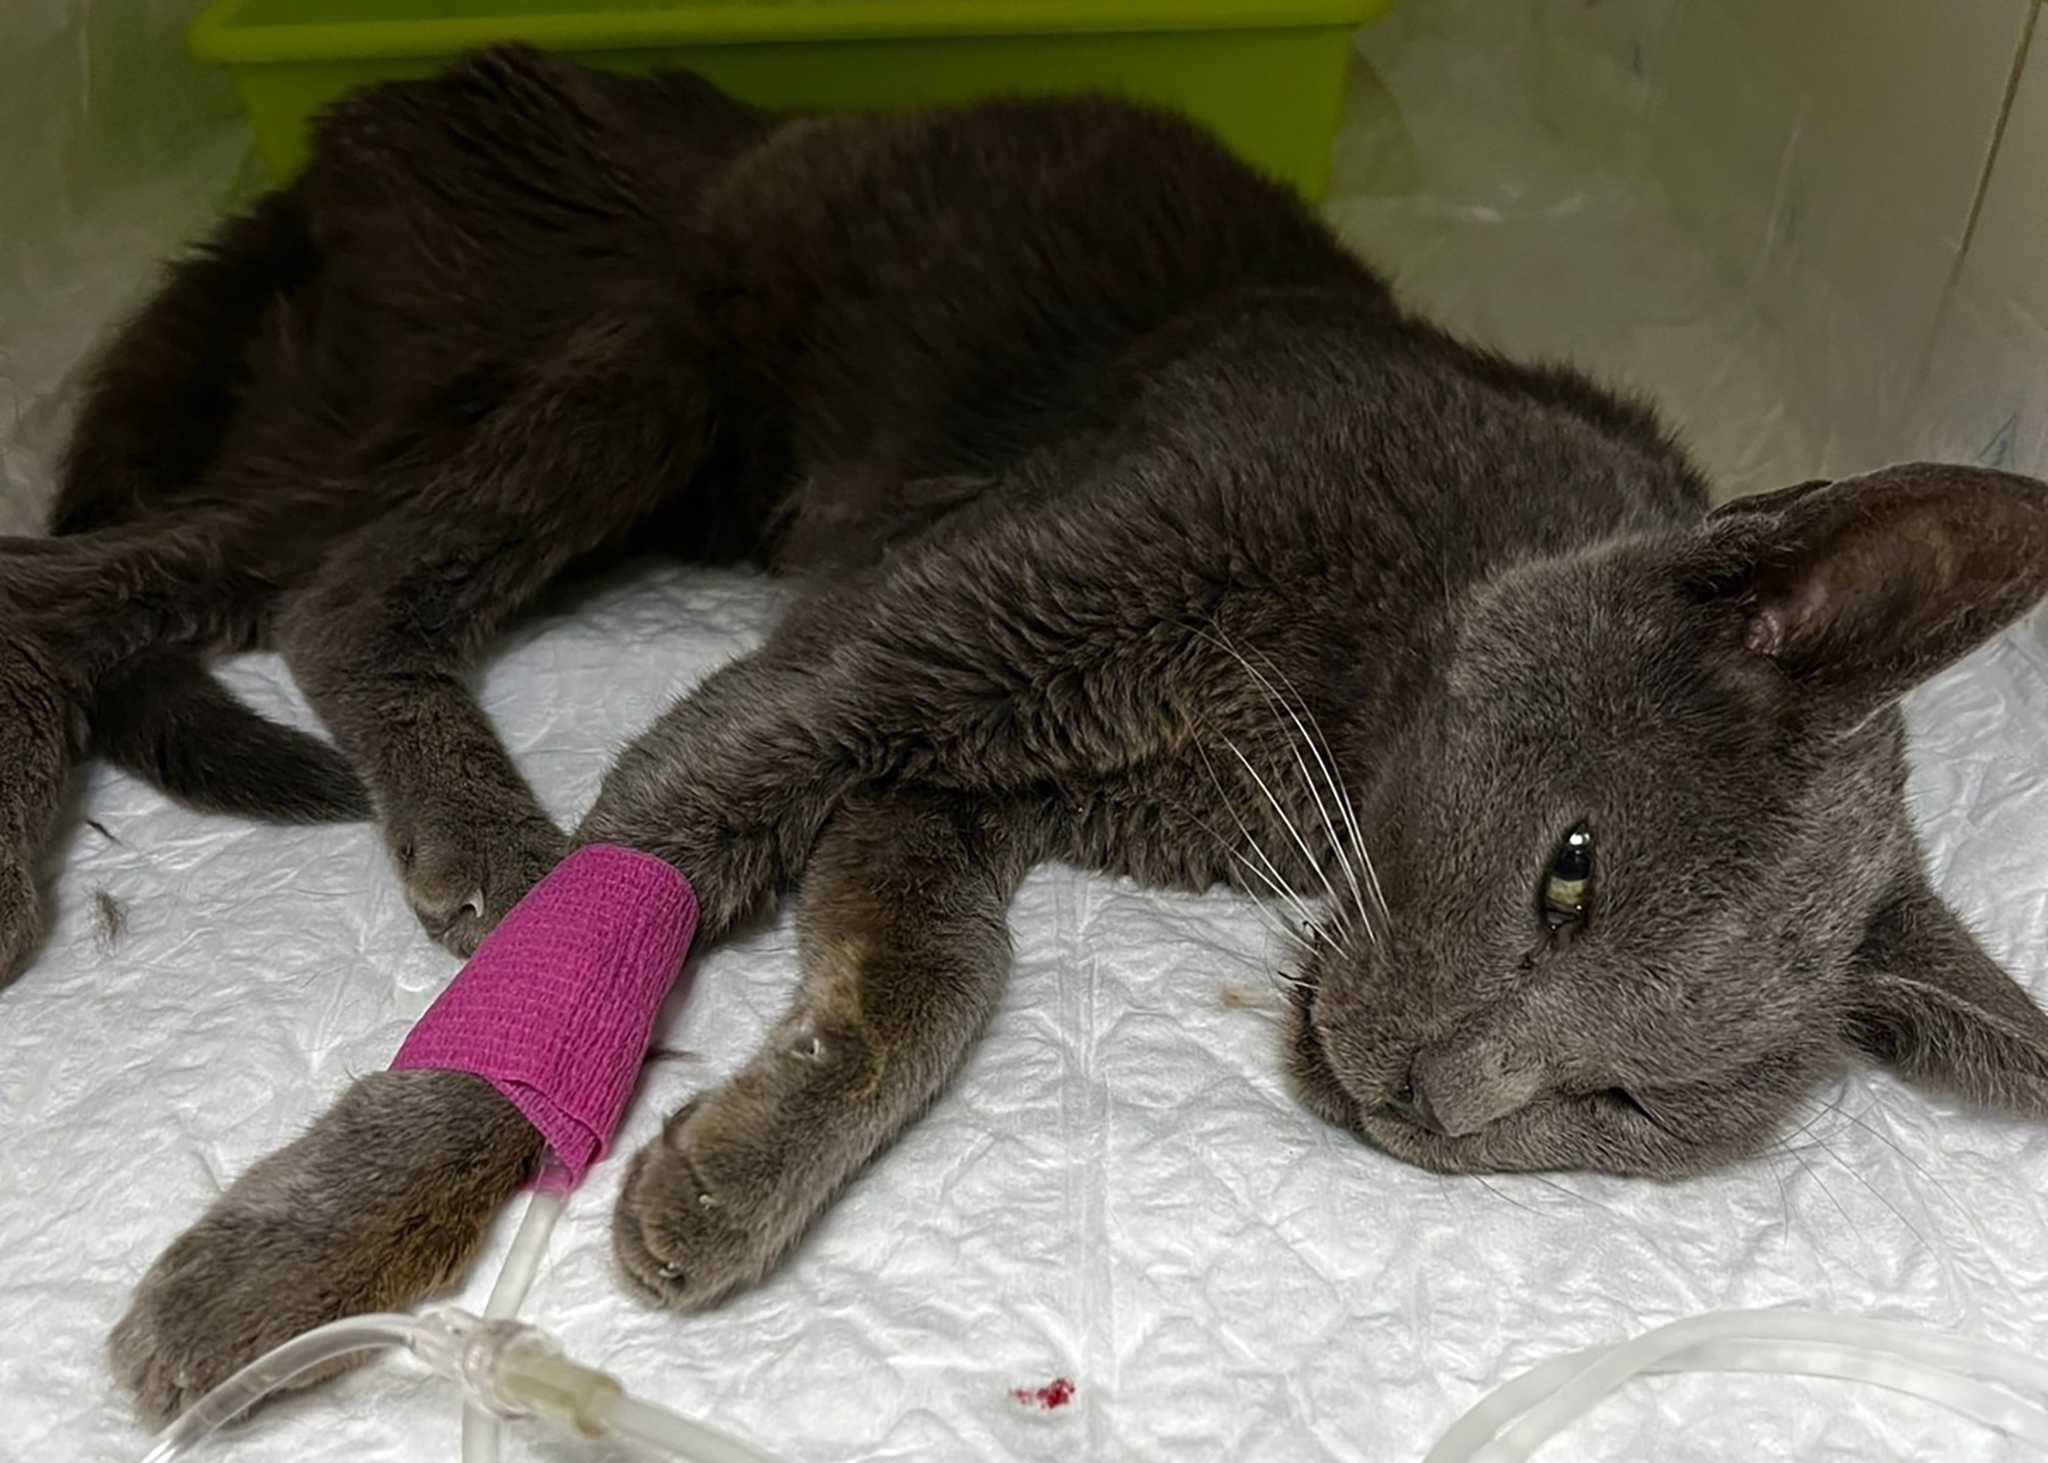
{"x":1421,"y":1149}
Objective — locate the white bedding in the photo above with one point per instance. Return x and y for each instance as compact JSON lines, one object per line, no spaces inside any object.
{"x":1118,"y":1193}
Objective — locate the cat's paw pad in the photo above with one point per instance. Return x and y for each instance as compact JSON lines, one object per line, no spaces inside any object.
{"x":463,"y":874}
{"x":686,"y":1230}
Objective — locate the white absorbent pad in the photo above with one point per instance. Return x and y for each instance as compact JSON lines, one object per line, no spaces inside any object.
{"x":1117,"y":1196}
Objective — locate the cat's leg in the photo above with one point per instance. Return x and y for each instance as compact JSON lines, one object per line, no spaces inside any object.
{"x":160,"y":396}
{"x":381,"y":644}
{"x":41,"y":731}
{"x":70,"y":612}
{"x":385,"y":1199}
{"x":904,"y":948}
{"x":382,"y":639}
{"x":735,"y":785}
{"x":332,"y":1216}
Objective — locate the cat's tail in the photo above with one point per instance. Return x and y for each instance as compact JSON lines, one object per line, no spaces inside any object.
{"x":163,"y":717}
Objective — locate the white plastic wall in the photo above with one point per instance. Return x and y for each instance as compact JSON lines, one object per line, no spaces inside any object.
{"x":1816,"y":229}
{"x":114,"y":147}
{"x":1876,"y":174}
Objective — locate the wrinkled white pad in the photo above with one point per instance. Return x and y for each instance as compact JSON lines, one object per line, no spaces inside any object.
{"x":1118,"y":1193}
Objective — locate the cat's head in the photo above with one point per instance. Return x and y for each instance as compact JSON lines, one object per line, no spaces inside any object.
{"x":1643,"y":871}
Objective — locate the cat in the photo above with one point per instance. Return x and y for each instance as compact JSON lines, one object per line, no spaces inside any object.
{"x":1138,"y":526}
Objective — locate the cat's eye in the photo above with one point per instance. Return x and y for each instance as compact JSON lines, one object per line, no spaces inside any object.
{"x":1568,"y":883}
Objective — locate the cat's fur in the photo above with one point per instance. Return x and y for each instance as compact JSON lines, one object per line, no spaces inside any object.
{"x":1140,"y":529}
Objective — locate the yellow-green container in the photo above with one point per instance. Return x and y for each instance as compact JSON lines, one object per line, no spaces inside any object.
{"x":1266,"y":75}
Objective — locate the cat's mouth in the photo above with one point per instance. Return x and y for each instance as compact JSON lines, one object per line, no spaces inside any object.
{"x":1323,"y":1093}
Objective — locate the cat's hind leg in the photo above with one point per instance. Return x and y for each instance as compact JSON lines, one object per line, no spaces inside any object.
{"x":581,"y":453}
{"x":161,"y":394}
{"x":905,"y":947}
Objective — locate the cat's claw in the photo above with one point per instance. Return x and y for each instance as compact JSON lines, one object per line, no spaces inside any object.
{"x":461,"y":877}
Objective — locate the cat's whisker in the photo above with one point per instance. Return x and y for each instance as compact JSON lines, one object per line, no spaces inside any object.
{"x":1876,"y":1193}
{"x":1335,"y":843}
{"x":1293,"y":901}
{"x":1570,"y":1193}
{"x":1288,"y":823}
{"x":1800,"y":1158}
{"x":1336,"y":840}
{"x":1806,"y":1129}
{"x":1820,"y":1141}
{"x":1356,"y":858}
{"x":1278,"y":882}
{"x":1378,"y":894}
{"x":1268,"y":961}
{"x":1360,"y":852}
{"x":1784,"y":1200}
{"x":1270,"y":872}
{"x":1288,"y":937}
{"x":1504,"y":1195}
{"x":1921,"y":1169}
{"x":1295,"y":939}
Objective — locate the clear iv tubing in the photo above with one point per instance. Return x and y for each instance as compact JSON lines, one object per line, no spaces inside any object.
{"x":1520,"y":1417}
{"x":266,"y":1374}
{"x":503,"y":1367}
{"x":480,"y":1431}
{"x":511,"y":1368}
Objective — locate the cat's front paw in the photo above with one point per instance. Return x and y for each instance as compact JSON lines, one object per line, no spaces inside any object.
{"x":228,"y":1290}
{"x":380,"y":1204}
{"x":465,"y":869}
{"x":696,"y":1217}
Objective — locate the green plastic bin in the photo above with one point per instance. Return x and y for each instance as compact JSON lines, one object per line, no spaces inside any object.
{"x":1266,"y":75}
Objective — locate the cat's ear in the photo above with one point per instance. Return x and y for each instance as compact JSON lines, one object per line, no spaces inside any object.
{"x":1933,"y":1006}
{"x":1859,"y":589}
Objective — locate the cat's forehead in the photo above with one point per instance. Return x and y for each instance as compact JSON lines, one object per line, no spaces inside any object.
{"x":1559,"y":653}
{"x":1587,"y":618}
{"x":1575,"y":686}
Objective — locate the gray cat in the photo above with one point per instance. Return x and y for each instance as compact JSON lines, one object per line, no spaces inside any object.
{"x":1139,"y":528}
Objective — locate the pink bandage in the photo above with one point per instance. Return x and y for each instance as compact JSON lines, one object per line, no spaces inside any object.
{"x":555,"y":1008}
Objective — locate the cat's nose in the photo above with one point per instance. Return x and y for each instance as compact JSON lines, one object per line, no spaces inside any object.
{"x":1410,"y":1103}
{"x":1461,"y":1088}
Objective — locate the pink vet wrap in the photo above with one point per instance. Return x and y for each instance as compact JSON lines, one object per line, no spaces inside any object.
{"x":555,"y":1008}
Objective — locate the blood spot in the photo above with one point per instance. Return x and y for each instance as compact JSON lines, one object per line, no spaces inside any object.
{"x":1056,"y":1393}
